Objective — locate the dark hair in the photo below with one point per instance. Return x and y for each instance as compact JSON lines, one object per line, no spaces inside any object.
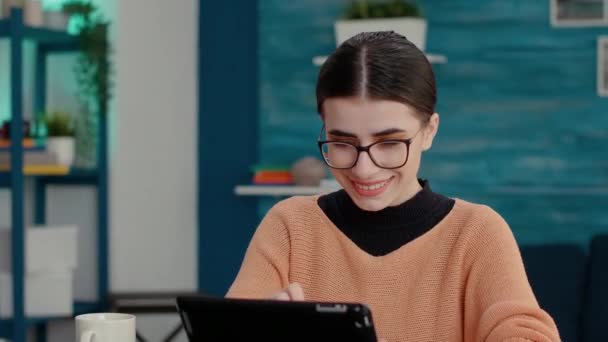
{"x":379,"y":65}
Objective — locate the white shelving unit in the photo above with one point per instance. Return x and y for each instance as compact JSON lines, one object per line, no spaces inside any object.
{"x":433,"y":59}
{"x":280,"y":190}
{"x":569,"y":13}
{"x":602,"y":66}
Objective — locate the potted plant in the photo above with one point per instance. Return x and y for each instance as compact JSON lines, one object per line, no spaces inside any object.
{"x":402,"y":16}
{"x":94,"y":69}
{"x":93,"y":73}
{"x":60,"y":136}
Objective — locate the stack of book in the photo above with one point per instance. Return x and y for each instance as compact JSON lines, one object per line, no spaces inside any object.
{"x":28,"y":143}
{"x":272,"y":174}
{"x":36,"y":158}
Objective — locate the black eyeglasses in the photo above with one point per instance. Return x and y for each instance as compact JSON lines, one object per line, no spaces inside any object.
{"x":385,"y":154}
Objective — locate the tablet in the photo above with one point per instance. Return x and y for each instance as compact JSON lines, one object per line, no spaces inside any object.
{"x":228,"y":319}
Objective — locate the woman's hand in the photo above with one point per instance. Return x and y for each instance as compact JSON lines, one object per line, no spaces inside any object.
{"x":293,"y":292}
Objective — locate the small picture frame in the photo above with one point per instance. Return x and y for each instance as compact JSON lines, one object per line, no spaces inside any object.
{"x":579,"y":13}
{"x":602,"y":66}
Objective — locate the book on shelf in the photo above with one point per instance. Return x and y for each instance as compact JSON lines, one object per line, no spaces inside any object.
{"x":31,"y":157}
{"x":272,"y":177}
{"x":28,"y":143}
{"x":271,"y":174}
{"x":33,"y":169}
{"x":278,"y":183}
{"x":25,"y":149}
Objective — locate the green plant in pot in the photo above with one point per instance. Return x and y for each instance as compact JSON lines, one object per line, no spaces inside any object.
{"x":60,"y":136}
{"x":402,"y":16}
{"x":94,"y":72}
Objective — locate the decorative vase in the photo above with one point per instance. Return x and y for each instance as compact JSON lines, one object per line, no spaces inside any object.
{"x":86,"y":134}
{"x":63,"y":148}
{"x":308,"y":171}
{"x":413,"y":28}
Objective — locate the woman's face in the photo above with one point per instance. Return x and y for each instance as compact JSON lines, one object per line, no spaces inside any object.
{"x":362,"y":121}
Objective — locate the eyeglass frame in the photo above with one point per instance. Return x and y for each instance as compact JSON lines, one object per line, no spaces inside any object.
{"x":366,"y":149}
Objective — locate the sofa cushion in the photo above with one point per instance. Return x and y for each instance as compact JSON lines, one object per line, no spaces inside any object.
{"x":595,"y":314}
{"x":557,"y":274}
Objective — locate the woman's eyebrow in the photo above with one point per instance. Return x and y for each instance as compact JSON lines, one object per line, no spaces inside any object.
{"x":388,"y":131}
{"x":340,"y":133}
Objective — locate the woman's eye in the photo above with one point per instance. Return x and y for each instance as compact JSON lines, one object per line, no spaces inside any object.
{"x":390,"y":145}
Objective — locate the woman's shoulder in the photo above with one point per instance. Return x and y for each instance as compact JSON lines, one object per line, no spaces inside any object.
{"x":296,"y":207}
{"x":483,"y":234}
{"x":296,"y":202}
{"x":478,"y":219}
{"x":473,"y":210}
{"x":298,"y":216}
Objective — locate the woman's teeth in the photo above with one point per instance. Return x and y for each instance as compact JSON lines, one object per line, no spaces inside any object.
{"x":371,"y":187}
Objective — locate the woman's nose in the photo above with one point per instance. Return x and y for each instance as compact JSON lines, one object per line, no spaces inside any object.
{"x":364,"y":166}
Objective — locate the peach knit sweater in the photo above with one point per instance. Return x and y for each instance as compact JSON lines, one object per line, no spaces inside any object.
{"x":463,"y":280}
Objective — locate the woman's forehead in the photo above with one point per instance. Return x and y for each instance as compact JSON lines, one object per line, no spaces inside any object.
{"x":365,"y":116}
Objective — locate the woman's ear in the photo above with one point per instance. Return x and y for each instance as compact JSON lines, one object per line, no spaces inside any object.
{"x":430,"y":130}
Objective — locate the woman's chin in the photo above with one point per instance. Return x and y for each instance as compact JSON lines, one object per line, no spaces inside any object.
{"x":370,"y":203}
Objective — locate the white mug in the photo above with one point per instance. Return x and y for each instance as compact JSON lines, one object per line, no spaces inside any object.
{"x":105,"y":327}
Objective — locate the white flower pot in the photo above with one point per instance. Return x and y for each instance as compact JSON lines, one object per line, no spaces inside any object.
{"x":56,"y":20}
{"x":63,"y":148}
{"x":414,"y":29}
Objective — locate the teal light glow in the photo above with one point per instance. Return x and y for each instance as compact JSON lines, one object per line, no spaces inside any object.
{"x":5,"y":100}
{"x":55,"y":5}
{"x":48,"y":5}
{"x":52,"y":5}
{"x":61,"y":78}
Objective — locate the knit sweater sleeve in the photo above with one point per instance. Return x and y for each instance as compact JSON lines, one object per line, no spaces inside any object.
{"x":265,"y":268}
{"x":499,"y":303}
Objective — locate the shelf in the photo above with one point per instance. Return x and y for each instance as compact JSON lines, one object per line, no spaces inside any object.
{"x":5,"y":27}
{"x":280,"y":190}
{"x":602,"y":57}
{"x":47,"y":41}
{"x":51,"y":40}
{"x":48,"y":36}
{"x":73,"y":177}
{"x":38,"y":34}
{"x":80,"y":308}
{"x":559,"y":13}
{"x":433,"y":58}
{"x":39,"y":170}
{"x":5,"y":180}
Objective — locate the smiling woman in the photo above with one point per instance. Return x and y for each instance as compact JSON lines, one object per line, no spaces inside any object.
{"x":431,"y":268}
{"x":378,"y":168}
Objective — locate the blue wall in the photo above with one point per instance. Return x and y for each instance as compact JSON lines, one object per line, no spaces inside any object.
{"x":228,"y":104}
{"x":522,"y":129}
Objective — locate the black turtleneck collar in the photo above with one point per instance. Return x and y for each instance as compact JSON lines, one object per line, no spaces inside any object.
{"x":381,"y":232}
